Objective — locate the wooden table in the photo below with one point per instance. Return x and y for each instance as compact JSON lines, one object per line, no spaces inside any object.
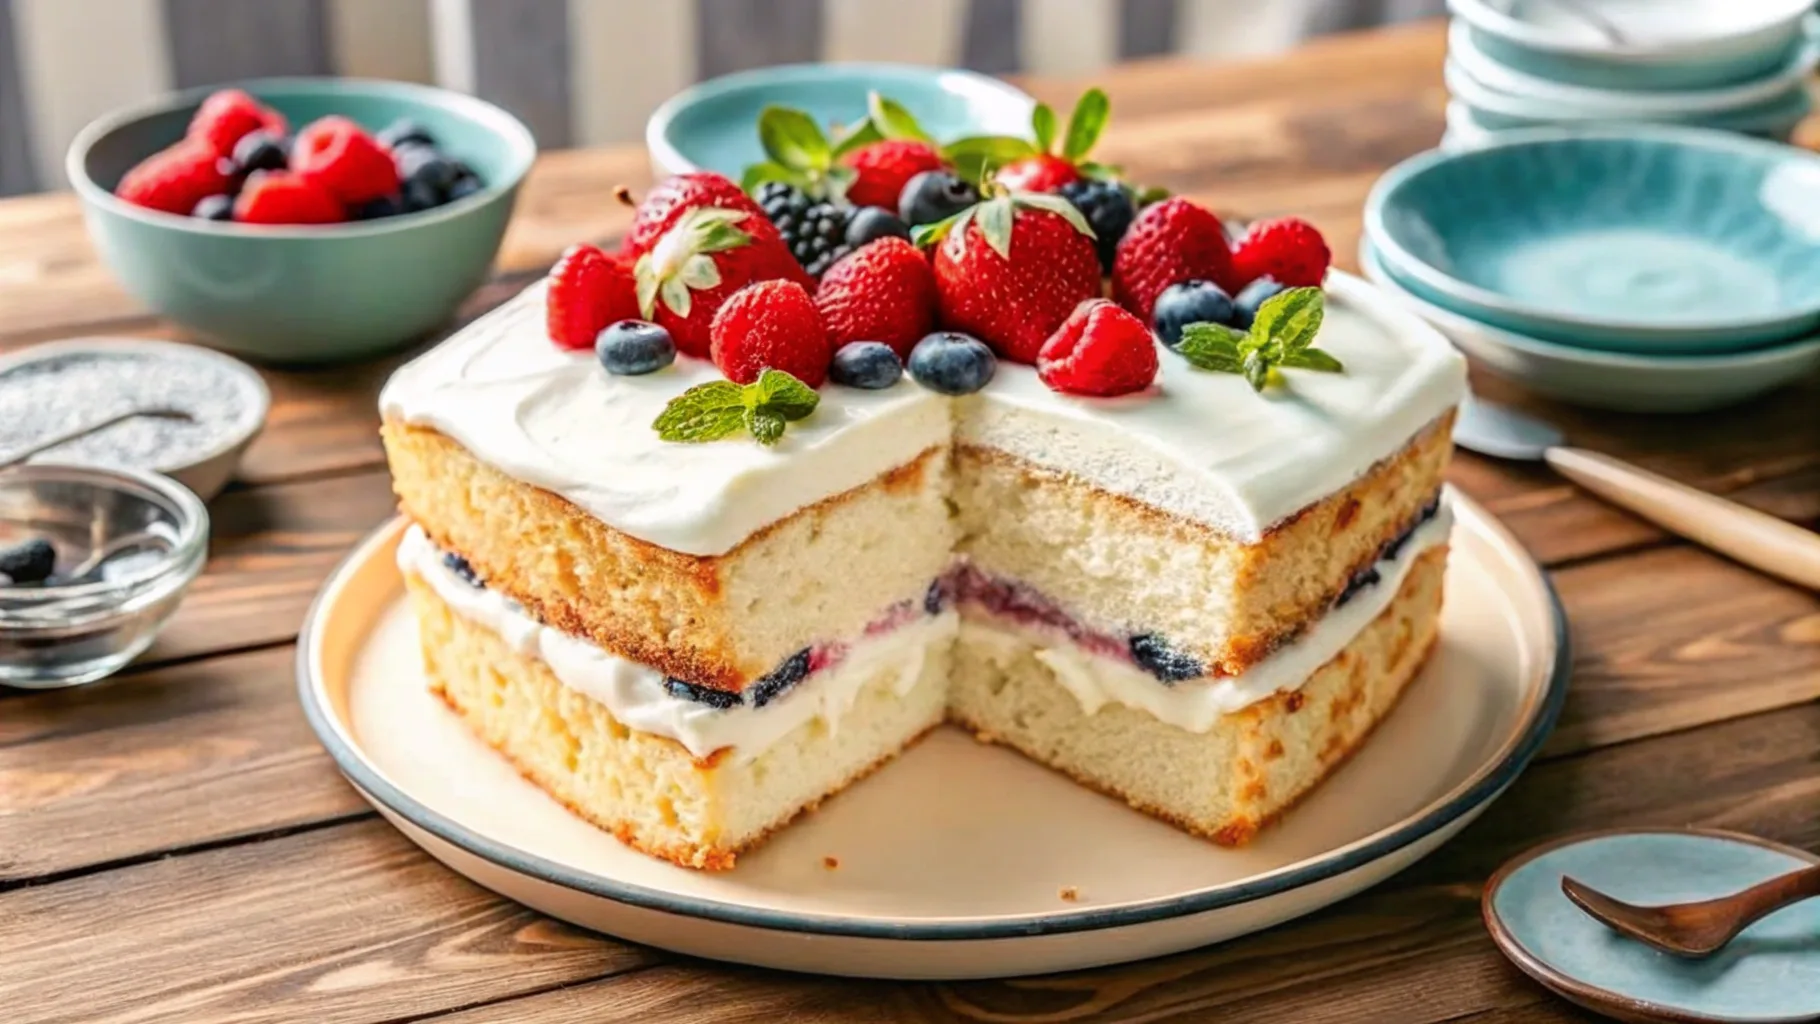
{"x":176,"y":847}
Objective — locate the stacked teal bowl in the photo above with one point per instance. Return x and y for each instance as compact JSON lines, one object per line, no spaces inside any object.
{"x":1735,"y":65}
{"x":1643,"y":267}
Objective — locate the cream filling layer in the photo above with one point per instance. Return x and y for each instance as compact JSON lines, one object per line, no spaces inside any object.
{"x":1195,"y":705}
{"x":635,"y":694}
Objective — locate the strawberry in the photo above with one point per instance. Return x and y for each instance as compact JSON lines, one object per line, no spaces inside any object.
{"x":1043,"y":172}
{"x":175,"y":179}
{"x":674,"y":197}
{"x":883,"y":292}
{"x":1290,"y":251}
{"x":885,"y":167}
{"x":229,"y":114}
{"x":588,"y":290}
{"x":1170,"y":242}
{"x":339,"y":155}
{"x":285,"y":197}
{"x":1100,"y":350}
{"x":771,"y":324}
{"x":708,"y":255}
{"x":1011,"y":269}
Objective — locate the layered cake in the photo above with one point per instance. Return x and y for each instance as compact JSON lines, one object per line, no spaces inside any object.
{"x":691,"y":579}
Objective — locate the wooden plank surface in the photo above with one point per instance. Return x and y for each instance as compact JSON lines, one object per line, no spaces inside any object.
{"x":176,"y":847}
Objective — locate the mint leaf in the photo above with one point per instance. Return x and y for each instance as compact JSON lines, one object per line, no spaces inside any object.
{"x":792,"y":139}
{"x":1212,"y":347}
{"x":705,"y":412}
{"x":783,"y":394}
{"x":1289,"y":320}
{"x":1149,"y":195}
{"x":861,"y":133}
{"x":1257,"y":370}
{"x":767,"y":170}
{"x":893,"y":120}
{"x":1311,"y":359}
{"x":1101,"y":172}
{"x":977,"y":156}
{"x":764,"y":425}
{"x":1085,"y":124}
{"x":1042,"y":125}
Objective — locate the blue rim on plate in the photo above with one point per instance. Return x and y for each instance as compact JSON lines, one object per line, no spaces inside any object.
{"x":1338,"y":862}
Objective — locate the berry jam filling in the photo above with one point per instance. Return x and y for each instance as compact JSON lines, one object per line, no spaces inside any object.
{"x":1369,"y":576}
{"x":1027,"y":607}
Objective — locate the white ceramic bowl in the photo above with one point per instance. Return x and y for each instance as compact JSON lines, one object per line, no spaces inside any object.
{"x":1610,"y":380}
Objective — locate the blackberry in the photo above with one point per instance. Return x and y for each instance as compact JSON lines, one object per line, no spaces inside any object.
{"x":781,"y":678}
{"x":1155,"y":656}
{"x":815,"y":232}
{"x":1108,"y":208}
{"x":721,"y":699}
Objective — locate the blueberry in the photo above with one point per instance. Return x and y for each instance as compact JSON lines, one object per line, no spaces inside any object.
{"x":1155,"y":656}
{"x":872,"y":224}
{"x":466,"y":184}
{"x":422,"y":164}
{"x":936,"y":597}
{"x":794,"y":669}
{"x":871,"y":365}
{"x":952,"y":363}
{"x":1108,"y":208}
{"x":419,"y":196}
{"x":933,"y":196}
{"x":405,"y":131}
{"x":701,"y":694}
{"x":1250,"y":298}
{"x":462,"y":568}
{"x":374,"y":209}
{"x":1190,"y":302}
{"x":216,"y":207}
{"x":30,"y":561}
{"x":260,"y":151}
{"x":633,"y":347}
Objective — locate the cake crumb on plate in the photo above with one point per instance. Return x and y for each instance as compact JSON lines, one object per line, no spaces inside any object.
{"x":1070,"y":893}
{"x":831,"y":862}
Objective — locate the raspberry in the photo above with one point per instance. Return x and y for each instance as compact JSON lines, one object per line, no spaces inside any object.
{"x":1290,"y":251}
{"x":588,"y":290}
{"x":228,"y":115}
{"x":284,"y":197}
{"x":886,"y":167}
{"x":771,"y":324}
{"x":339,"y":155}
{"x":1101,"y":350}
{"x":884,"y":292}
{"x":174,"y":180}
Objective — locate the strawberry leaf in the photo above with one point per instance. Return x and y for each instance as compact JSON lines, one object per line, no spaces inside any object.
{"x":676,"y":296}
{"x":1042,"y":125}
{"x":1057,"y":205}
{"x":977,"y":156}
{"x":861,"y":133}
{"x":1085,"y":124}
{"x":699,"y":272}
{"x":648,"y":284}
{"x":995,"y":222}
{"x":791,"y":138}
{"x":705,"y":412}
{"x":929,"y":234}
{"x":892,"y":120}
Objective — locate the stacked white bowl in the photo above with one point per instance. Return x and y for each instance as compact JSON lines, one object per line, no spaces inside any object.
{"x":1736,"y":65}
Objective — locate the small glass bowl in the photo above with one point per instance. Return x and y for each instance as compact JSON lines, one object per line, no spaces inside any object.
{"x":141,"y":538}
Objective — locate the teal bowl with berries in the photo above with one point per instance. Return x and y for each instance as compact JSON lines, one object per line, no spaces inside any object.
{"x":301,"y":294}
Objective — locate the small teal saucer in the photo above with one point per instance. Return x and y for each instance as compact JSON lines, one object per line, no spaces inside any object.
{"x":1770,"y":974}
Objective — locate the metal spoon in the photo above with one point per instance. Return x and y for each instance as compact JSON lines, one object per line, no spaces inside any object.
{"x":1696,"y":929}
{"x":160,"y":412}
{"x":1755,"y":538}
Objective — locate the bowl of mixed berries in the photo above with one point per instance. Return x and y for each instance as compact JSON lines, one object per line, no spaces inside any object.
{"x":303,"y":220}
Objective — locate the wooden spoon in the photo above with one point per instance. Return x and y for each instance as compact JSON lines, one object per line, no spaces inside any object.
{"x":1696,"y":929}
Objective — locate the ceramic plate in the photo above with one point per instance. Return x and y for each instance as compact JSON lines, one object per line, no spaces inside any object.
{"x":952,"y":860}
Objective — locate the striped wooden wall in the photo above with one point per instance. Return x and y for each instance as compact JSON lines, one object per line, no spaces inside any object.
{"x":578,"y":71}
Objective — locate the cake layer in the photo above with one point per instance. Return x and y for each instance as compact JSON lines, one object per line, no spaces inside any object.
{"x":1230,"y":780}
{"x":718,"y":621}
{"x":1127,"y":568}
{"x":648,"y":790}
{"x":1200,"y":447}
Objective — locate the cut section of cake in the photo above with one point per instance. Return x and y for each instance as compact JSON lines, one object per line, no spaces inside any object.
{"x":1193,"y":578}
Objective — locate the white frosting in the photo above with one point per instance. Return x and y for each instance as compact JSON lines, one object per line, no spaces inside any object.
{"x":1196,"y":704}
{"x":1201,"y":445}
{"x":635,"y":693}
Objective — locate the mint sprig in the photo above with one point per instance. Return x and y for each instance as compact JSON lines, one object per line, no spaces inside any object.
{"x":1281,"y":337}
{"x":800,"y":154}
{"x":721,"y":408}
